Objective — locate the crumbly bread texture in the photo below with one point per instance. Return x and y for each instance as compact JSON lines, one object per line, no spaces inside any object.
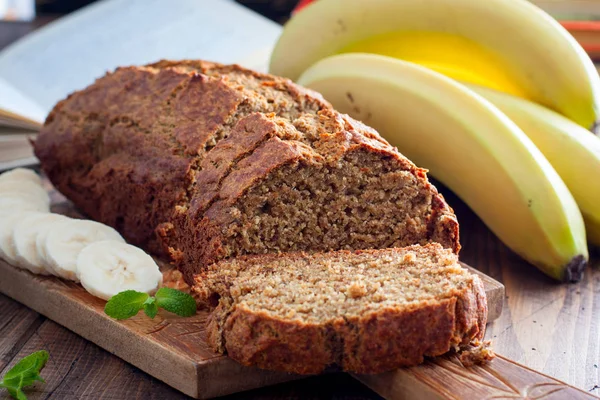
{"x":205,"y":161}
{"x":365,"y":311}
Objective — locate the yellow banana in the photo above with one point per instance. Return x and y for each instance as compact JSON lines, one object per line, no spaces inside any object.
{"x":573,"y":151}
{"x":470,"y":146}
{"x":536,"y":57}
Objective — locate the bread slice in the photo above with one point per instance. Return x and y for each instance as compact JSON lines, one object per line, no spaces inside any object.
{"x":208,"y":161}
{"x":365,"y":311}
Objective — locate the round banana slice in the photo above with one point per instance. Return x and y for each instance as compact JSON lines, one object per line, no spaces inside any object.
{"x":7,"y":227}
{"x":108,"y":267}
{"x":21,"y":174}
{"x":66,"y":240}
{"x":25,"y":236}
{"x":40,"y":242}
{"x":11,"y":203}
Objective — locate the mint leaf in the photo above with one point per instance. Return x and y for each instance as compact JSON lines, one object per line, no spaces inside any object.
{"x":128,"y":303}
{"x":25,"y":373}
{"x":125,"y":304}
{"x":175,"y":301}
{"x":150,"y":307}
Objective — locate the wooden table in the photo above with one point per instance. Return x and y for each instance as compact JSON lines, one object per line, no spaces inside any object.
{"x":549,"y":327}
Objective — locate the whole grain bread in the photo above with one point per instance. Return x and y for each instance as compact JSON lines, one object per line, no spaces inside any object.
{"x":365,"y":311}
{"x":203,"y":161}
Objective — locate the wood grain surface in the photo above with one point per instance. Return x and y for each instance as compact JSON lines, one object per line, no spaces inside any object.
{"x":446,"y":378}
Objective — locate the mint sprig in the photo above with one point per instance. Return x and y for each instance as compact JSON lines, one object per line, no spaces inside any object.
{"x":128,"y":303}
{"x":26,"y":372}
{"x":175,"y":301}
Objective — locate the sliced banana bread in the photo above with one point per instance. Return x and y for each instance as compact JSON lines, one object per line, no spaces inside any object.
{"x":366,"y":311}
{"x":209,"y":161}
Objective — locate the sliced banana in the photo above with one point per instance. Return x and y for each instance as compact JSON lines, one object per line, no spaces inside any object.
{"x":40,"y":242}
{"x":66,"y":240}
{"x":18,"y":202}
{"x":25,"y":235}
{"x":108,"y":267}
{"x":21,"y":174}
{"x":7,"y":227}
{"x":23,"y":187}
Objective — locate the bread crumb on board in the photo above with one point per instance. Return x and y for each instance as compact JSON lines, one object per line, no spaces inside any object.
{"x":477,"y":353}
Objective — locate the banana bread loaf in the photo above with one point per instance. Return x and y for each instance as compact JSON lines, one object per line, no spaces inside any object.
{"x":366,"y":311}
{"x":209,"y":161}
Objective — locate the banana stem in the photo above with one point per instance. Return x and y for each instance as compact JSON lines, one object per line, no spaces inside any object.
{"x":575,"y":268}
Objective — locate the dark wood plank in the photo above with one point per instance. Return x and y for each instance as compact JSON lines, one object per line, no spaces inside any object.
{"x":78,"y":369}
{"x":17,"y":325}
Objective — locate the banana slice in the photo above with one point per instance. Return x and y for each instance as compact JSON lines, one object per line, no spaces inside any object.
{"x":108,"y":267}
{"x":21,"y":174}
{"x":23,"y":187}
{"x":25,"y":235}
{"x":12,"y":203}
{"x":66,"y":240}
{"x":7,"y":227}
{"x":40,"y":242}
{"x":24,"y":195}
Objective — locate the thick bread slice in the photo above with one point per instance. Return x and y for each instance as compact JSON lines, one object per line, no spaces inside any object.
{"x":366,"y":311}
{"x":205,"y":161}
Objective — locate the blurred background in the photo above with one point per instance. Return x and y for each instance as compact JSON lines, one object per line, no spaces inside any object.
{"x":580,"y":17}
{"x":25,"y":10}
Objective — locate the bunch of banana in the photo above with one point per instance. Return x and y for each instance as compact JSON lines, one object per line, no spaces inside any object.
{"x":494,"y":97}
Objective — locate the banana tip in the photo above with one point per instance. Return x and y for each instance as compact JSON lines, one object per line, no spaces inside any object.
{"x":574,"y":269}
{"x":595,"y":128}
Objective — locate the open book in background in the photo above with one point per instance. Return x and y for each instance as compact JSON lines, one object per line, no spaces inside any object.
{"x":69,"y":54}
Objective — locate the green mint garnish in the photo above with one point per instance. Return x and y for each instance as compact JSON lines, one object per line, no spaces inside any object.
{"x":177,"y":302}
{"x":150,"y":307}
{"x":125,"y":304}
{"x":26,"y":372}
{"x":128,"y":303}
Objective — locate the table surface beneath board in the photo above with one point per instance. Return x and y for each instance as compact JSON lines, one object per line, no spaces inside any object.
{"x":552,"y":328}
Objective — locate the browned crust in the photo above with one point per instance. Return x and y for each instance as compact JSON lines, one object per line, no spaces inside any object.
{"x":141,"y":150}
{"x":376,"y":342}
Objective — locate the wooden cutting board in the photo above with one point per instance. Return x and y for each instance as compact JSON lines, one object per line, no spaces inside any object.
{"x":170,"y":348}
{"x":174,"y":350}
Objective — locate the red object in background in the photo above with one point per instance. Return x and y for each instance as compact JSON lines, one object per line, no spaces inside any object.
{"x":587,"y":33}
{"x":301,"y":5}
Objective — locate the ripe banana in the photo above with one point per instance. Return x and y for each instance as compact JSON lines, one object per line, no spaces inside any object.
{"x":470,"y":146}
{"x":66,"y":240}
{"x":573,"y":151}
{"x":25,"y":240}
{"x":21,"y":174}
{"x":536,"y":52}
{"x":450,"y":54}
{"x":108,"y":267}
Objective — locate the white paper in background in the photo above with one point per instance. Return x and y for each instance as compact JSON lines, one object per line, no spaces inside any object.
{"x":14,"y":101}
{"x":69,"y":54}
{"x":17,"y":10}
